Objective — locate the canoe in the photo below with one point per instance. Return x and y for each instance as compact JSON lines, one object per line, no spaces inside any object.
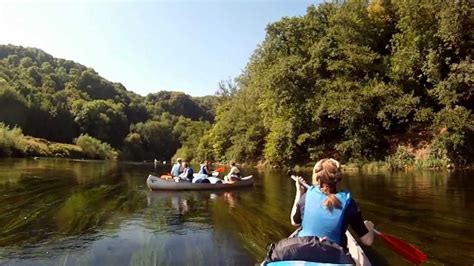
{"x":156,"y":183}
{"x":357,"y":254}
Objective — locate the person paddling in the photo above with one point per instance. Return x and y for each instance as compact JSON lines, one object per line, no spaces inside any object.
{"x":234,"y":173}
{"x":325,"y":212}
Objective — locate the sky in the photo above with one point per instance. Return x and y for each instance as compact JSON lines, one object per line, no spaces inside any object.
{"x":148,"y":46}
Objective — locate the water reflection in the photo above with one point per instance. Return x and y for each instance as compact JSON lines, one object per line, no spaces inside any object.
{"x":101,"y":213}
{"x":230,"y":198}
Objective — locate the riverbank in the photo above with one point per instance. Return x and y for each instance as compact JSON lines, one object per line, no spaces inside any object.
{"x":384,"y":166}
{"x":14,"y":144}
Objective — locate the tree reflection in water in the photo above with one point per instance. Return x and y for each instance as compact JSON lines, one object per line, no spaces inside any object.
{"x":57,"y":212}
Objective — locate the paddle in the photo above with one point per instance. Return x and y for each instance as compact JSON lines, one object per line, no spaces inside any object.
{"x":220,"y":170}
{"x":402,"y":248}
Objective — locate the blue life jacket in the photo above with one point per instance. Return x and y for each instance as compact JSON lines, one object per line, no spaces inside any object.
{"x":318,"y":220}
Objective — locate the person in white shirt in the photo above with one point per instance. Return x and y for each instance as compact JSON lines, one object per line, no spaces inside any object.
{"x":234,"y":173}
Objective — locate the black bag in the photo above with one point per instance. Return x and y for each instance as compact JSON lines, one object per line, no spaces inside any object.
{"x":307,"y":248}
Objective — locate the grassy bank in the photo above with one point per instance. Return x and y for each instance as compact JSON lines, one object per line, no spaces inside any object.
{"x":14,"y":144}
{"x":381,"y":166}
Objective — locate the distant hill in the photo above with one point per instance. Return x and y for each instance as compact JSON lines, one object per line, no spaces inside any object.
{"x":58,"y":99}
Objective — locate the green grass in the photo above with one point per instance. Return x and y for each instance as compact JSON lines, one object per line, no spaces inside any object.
{"x":14,"y":144}
{"x":10,"y":141}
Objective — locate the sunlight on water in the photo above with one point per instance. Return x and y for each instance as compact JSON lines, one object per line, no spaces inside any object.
{"x":60,"y":212}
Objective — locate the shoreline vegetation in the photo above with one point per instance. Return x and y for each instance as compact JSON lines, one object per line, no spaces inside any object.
{"x":372,"y":84}
{"x":14,"y":144}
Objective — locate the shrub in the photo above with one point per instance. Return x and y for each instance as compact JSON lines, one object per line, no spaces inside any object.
{"x":65,"y":150}
{"x":10,"y":141}
{"x":94,"y":148}
{"x":35,"y":146}
{"x":401,"y":159}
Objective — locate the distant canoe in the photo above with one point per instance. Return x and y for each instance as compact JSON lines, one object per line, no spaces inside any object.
{"x":157,"y":183}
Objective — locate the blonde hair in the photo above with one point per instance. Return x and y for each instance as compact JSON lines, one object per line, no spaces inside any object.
{"x":327,"y":173}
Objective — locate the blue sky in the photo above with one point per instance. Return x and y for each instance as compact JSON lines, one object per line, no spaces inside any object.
{"x":148,"y":45}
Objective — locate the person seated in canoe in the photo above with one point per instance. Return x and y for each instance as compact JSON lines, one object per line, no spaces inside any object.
{"x":176,"y":169}
{"x":323,"y":211}
{"x":234,"y":173}
{"x":205,"y":170}
{"x":187,"y":174}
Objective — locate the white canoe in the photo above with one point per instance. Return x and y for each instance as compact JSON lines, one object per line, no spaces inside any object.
{"x":357,"y":254}
{"x":156,"y":183}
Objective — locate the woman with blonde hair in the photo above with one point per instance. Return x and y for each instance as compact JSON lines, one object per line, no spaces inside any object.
{"x":325,"y":212}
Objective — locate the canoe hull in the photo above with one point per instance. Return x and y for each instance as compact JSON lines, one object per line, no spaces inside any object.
{"x":156,"y":183}
{"x":357,"y":254}
{"x":356,"y":251}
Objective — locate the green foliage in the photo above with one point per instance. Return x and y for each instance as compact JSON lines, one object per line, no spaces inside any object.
{"x":151,"y":139}
{"x":401,"y":159}
{"x":102,"y":119}
{"x":65,"y":150}
{"x":94,"y":148}
{"x":342,"y":79}
{"x":239,"y":132}
{"x":10,"y":140}
{"x":13,"y":106}
{"x":339,"y":81}
{"x":58,"y":99}
{"x":456,"y":134}
{"x":189,"y":133}
{"x":179,"y":104}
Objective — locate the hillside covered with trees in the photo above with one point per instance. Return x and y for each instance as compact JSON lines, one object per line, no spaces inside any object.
{"x":356,"y":80}
{"x":60,"y":100}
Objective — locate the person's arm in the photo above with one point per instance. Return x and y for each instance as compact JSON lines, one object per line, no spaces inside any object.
{"x":363,"y":229}
{"x":295,"y":215}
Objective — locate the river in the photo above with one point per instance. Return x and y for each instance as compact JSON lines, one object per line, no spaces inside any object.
{"x":66,"y":212}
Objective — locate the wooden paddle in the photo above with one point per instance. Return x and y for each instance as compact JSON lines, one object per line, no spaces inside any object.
{"x":402,"y":248}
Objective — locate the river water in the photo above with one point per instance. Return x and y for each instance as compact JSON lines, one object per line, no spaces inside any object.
{"x":65,"y":212}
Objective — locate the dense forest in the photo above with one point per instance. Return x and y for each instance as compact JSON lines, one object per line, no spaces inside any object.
{"x":62,"y":101}
{"x":356,"y":80}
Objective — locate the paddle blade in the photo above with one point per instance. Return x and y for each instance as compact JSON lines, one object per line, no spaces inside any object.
{"x":408,"y":251}
{"x":220,"y":169}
